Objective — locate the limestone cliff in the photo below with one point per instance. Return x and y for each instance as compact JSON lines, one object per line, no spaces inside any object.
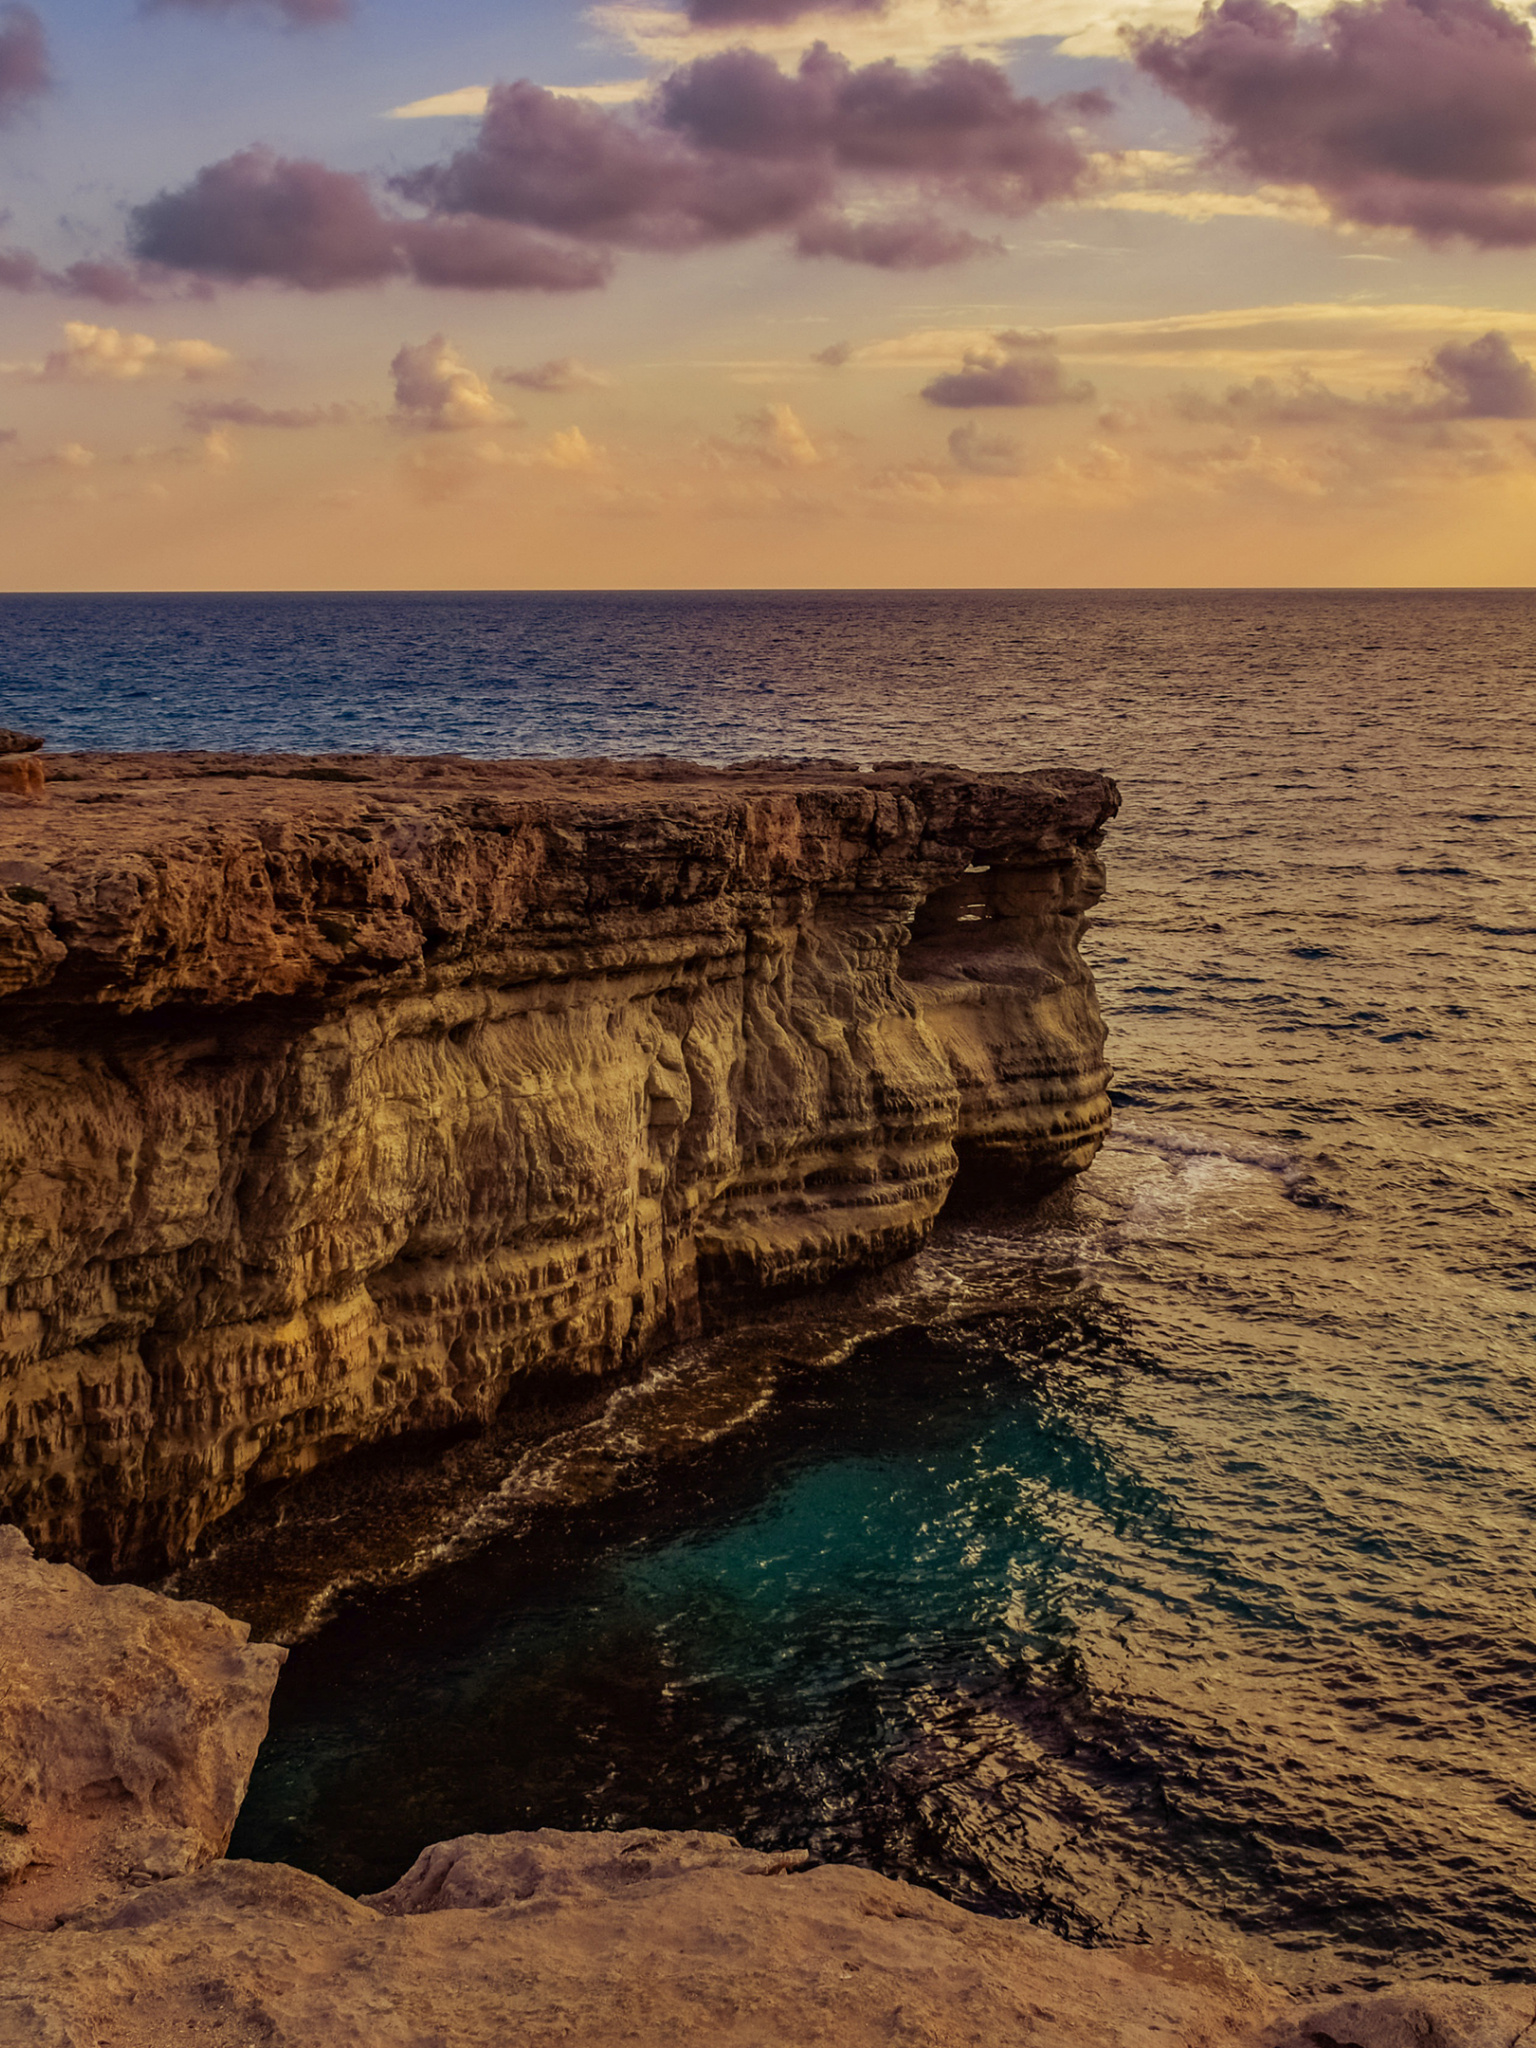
{"x":349,"y":1097}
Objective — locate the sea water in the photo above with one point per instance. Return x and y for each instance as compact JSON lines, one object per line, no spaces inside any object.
{"x":1157,"y":1565}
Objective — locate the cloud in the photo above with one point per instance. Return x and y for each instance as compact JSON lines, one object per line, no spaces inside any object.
{"x":260,"y":215}
{"x":104,"y":278}
{"x":914,"y":241}
{"x":724,"y":149}
{"x":242,"y":412}
{"x":296,"y":13}
{"x":109,"y":355}
{"x":774,"y":437}
{"x":1410,"y":114}
{"x":561,"y":373}
{"x":1484,"y":379}
{"x":834,"y":355}
{"x":1475,"y":380}
{"x":24,"y":74}
{"x":436,"y":390}
{"x":569,"y":450}
{"x":1018,"y":369}
{"x":257,"y":215}
{"x":985,"y":454}
{"x":472,"y":100}
{"x":730,"y":147}
{"x":491,"y":256}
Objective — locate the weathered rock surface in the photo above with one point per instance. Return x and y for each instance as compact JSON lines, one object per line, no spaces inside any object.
{"x":650,"y":1940}
{"x":347,"y":1098}
{"x":128,"y":1727}
{"x":644,"y":1939}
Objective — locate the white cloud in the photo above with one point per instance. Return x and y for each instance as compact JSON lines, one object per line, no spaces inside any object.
{"x":776,"y":435}
{"x":109,"y":355}
{"x":570,"y":450}
{"x":470,"y":101}
{"x":436,"y":389}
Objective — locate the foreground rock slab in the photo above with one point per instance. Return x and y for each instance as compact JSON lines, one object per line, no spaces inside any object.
{"x":346,"y":1098}
{"x":128,"y":1727}
{"x":650,"y":1940}
{"x":635,"y":1938}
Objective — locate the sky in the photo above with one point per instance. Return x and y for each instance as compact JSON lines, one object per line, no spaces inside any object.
{"x":365,"y":294}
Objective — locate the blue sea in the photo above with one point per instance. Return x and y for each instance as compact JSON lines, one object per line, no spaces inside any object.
{"x":1156,"y":1565}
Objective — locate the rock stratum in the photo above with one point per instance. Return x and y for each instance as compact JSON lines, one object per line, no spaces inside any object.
{"x":119,"y":1701}
{"x":353,"y":1097}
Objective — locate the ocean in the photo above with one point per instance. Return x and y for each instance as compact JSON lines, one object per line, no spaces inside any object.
{"x":1156,"y":1565}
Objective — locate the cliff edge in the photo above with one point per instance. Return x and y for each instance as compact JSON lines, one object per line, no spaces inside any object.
{"x":342,"y":1098}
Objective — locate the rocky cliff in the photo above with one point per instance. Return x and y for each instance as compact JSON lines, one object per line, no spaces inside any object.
{"x":351,"y":1097}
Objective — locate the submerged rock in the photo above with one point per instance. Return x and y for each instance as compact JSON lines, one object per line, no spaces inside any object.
{"x":343,"y":1099}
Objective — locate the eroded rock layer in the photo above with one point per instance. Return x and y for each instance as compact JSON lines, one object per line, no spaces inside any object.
{"x":344,"y":1098}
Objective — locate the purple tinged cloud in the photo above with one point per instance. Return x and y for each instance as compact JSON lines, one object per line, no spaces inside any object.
{"x":24,"y":73}
{"x":1412,"y":114}
{"x":108,"y":280}
{"x":902,"y":242}
{"x":489,"y":256}
{"x":728,"y":148}
{"x":1024,"y":370}
{"x":1467,"y":380}
{"x":260,"y":216}
{"x":1484,"y":379}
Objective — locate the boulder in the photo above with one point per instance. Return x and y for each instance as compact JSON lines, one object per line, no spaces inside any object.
{"x":128,"y":1727}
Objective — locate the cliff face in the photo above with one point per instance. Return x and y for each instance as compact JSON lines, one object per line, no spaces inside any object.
{"x":346,"y":1098}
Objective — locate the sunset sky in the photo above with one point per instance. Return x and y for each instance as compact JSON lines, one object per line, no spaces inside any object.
{"x":510,"y":293}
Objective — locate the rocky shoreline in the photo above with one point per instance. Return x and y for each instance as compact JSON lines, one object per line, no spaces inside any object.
{"x":128,"y":1727}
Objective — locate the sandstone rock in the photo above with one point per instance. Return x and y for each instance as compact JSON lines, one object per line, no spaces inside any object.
{"x":18,"y":742}
{"x":128,"y":1727}
{"x":343,"y":1098}
{"x":1421,"y":2016}
{"x":648,"y":1940}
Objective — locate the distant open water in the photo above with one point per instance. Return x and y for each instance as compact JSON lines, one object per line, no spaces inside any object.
{"x":1164,"y":1566}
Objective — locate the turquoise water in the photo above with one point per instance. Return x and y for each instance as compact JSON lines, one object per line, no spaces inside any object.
{"x":1155,"y":1564}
